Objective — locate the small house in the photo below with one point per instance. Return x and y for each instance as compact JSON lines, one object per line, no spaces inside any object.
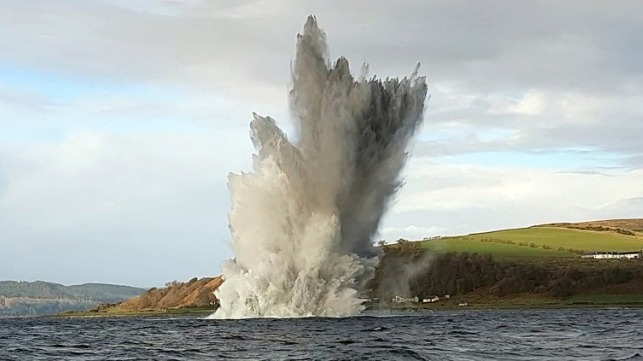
{"x":615,"y":255}
{"x":399,"y":299}
{"x":431,"y":299}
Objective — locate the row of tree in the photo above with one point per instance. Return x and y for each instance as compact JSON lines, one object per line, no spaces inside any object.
{"x":406,"y":270}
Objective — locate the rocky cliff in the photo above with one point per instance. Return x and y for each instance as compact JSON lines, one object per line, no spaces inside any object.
{"x":176,"y":295}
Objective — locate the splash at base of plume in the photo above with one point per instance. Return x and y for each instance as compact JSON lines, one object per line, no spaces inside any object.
{"x":302,"y":221}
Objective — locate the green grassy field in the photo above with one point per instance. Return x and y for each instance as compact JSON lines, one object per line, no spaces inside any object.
{"x":568,"y":238}
{"x":497,"y":249}
{"x":536,"y":242}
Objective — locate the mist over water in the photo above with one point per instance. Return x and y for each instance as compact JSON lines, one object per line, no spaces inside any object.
{"x":303,"y":220}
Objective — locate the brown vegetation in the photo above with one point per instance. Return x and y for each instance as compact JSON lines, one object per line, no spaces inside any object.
{"x":622,"y":226}
{"x":194,"y":293}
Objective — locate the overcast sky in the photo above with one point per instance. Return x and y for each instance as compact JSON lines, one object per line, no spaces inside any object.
{"x":120,"y":120}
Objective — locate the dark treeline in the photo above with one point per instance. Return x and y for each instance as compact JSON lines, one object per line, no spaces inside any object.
{"x":406,"y":270}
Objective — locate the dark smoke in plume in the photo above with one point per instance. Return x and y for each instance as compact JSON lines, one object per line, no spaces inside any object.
{"x":303,"y":220}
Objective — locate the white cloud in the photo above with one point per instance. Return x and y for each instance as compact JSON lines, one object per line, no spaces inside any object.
{"x":460,"y":199}
{"x":129,"y":147}
{"x":533,"y":103}
{"x":99,"y":196}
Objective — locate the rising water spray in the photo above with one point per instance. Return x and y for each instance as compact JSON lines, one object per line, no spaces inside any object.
{"x":303,"y":220}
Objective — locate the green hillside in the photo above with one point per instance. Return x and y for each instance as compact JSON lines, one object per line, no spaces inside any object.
{"x":537,"y":242}
{"x":495,"y":248}
{"x":537,"y":266}
{"x":590,"y":241}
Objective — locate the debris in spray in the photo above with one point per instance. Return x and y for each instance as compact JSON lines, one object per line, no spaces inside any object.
{"x":303,"y":220}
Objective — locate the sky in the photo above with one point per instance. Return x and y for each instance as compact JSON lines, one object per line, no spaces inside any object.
{"x":121,"y":119}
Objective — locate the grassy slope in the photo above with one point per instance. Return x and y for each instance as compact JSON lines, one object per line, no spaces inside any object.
{"x":546,"y":242}
{"x":497,"y":249}
{"x":505,"y":244}
{"x":569,"y":238}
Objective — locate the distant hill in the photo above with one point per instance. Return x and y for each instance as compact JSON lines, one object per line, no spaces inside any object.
{"x":195,"y":293}
{"x":541,"y":256}
{"x":43,"y":298}
{"x":556,"y":240}
{"x":613,"y":225}
{"x":561,"y":243}
{"x":519,"y":266}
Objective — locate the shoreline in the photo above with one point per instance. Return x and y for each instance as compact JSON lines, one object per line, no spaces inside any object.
{"x":524,"y":302}
{"x":504,"y":304}
{"x":142,"y":313}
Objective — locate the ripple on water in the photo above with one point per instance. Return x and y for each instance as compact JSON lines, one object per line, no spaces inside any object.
{"x":480,"y":335}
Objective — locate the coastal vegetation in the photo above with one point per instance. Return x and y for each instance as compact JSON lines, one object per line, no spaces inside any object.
{"x":462,"y":273}
{"x":193,"y":296}
{"x":541,"y":263}
{"x":539,"y":266}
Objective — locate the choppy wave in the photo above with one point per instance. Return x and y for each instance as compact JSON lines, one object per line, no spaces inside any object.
{"x":543,"y":335}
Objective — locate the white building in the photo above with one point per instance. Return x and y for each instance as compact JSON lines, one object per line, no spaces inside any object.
{"x":431,"y":299}
{"x":615,"y":255}
{"x":399,"y":299}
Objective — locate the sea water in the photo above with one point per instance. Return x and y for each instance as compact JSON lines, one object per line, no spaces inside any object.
{"x":607,"y":334}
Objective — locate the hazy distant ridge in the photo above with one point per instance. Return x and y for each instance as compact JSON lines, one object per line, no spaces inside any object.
{"x":632,"y":224}
{"x":40,"y":298}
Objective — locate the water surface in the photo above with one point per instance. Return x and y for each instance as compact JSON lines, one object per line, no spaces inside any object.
{"x":613,"y":334}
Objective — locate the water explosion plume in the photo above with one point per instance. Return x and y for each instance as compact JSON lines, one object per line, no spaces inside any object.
{"x":302,"y":222}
